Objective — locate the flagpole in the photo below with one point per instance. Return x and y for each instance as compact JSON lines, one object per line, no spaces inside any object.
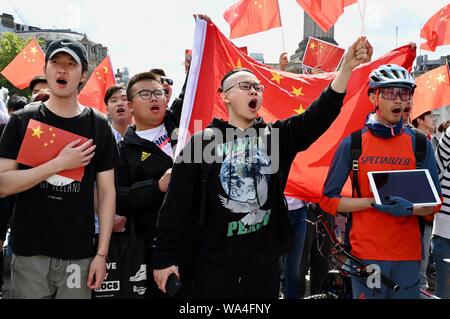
{"x":282,"y":28}
{"x":362,"y":14}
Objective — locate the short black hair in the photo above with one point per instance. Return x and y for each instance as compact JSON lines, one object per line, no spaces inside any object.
{"x":111,"y":91}
{"x":415,"y":122}
{"x":146,"y":76}
{"x":36,"y":80}
{"x":159,"y":72}
{"x":16,"y":102}
{"x":234,"y":71}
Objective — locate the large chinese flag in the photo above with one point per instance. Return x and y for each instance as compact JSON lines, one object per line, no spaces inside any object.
{"x":25,"y":66}
{"x":325,"y":12}
{"x":286,"y":94}
{"x":101,"y":80}
{"x":43,"y":143}
{"x":432,"y":92}
{"x":436,"y":30}
{"x":323,"y":54}
{"x":252,"y":16}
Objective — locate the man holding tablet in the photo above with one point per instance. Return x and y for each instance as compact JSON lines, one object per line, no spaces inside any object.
{"x":386,"y":235}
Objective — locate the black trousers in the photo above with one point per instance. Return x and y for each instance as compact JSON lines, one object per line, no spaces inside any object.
{"x":311,"y":257}
{"x":262,"y":282}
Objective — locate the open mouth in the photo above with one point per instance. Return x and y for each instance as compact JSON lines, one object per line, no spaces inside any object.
{"x":61,"y":81}
{"x":120,"y":110}
{"x":154,"y":108}
{"x":397,"y":110}
{"x":253,"y":104}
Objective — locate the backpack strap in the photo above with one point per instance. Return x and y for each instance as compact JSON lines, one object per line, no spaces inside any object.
{"x":355,"y":152}
{"x":420,"y":149}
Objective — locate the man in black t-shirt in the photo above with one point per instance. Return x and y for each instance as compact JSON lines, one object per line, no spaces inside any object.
{"x":53,"y":221}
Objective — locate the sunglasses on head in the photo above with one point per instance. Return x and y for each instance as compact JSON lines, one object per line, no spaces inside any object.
{"x":391,"y":93}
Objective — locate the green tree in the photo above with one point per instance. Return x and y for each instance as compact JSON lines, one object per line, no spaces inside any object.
{"x":10,"y":46}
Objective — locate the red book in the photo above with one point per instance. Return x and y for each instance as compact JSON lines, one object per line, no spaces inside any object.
{"x":43,"y":143}
{"x":323,"y":54}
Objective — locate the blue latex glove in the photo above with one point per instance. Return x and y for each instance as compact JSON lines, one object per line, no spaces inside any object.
{"x":397,"y":207}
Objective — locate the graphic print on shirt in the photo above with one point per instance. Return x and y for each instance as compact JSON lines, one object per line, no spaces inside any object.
{"x":60,"y":184}
{"x":244,"y":177}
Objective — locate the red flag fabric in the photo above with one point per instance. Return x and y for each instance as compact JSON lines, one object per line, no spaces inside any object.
{"x":323,"y":54}
{"x":252,"y":16}
{"x":43,"y":143}
{"x":436,"y":30}
{"x":26,"y":65}
{"x":286,"y":94}
{"x":101,"y":80}
{"x":432,"y":92}
{"x":325,"y":12}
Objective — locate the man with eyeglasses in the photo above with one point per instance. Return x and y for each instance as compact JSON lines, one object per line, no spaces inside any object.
{"x":385,"y":235}
{"x":146,"y":156}
{"x":241,"y":224}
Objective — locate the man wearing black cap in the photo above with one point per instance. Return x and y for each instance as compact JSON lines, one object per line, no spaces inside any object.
{"x":53,"y":222}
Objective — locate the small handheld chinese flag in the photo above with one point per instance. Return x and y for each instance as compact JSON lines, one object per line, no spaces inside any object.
{"x":95,"y":89}
{"x":323,"y":54}
{"x":436,"y":30}
{"x":252,"y":16}
{"x":43,"y":143}
{"x":25,"y":66}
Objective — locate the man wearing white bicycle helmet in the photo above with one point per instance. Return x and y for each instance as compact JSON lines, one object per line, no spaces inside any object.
{"x":385,"y":235}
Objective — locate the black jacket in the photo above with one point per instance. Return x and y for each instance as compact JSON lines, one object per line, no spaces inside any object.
{"x":138,"y":193}
{"x":246,"y":214}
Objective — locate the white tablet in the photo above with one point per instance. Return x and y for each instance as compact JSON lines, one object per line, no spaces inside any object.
{"x":414,"y":185}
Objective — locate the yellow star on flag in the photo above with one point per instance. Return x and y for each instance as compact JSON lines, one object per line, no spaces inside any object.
{"x":312,"y":46}
{"x":440,"y":78}
{"x":37,"y":132}
{"x":33,"y":50}
{"x":300,"y":110}
{"x":105,"y":69}
{"x":298,"y":92}
{"x":276,"y":77}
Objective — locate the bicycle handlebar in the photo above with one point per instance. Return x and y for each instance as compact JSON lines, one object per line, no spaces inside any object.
{"x":323,"y":228}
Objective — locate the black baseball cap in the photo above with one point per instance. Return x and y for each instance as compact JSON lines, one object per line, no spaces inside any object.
{"x":72,"y":47}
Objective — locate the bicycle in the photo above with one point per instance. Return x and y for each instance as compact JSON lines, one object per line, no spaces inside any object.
{"x":337,"y":284}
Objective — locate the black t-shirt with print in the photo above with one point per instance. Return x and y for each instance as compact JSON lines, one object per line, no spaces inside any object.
{"x":56,"y":217}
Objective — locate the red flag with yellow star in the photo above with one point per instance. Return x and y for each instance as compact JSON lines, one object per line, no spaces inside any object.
{"x":432,"y":92}
{"x":43,"y":143}
{"x":100,"y":81}
{"x":252,"y":16}
{"x":26,"y":65}
{"x":437,"y":30}
{"x":323,"y":54}
{"x":286,"y":94}
{"x":325,"y":12}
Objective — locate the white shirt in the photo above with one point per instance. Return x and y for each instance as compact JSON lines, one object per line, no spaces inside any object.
{"x":160,"y":137}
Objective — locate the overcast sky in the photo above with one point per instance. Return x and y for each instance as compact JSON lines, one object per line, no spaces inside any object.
{"x":149,"y":34}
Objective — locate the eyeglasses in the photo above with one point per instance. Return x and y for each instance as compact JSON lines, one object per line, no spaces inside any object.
{"x":391,"y":93}
{"x":247,"y":86}
{"x":147,"y":94}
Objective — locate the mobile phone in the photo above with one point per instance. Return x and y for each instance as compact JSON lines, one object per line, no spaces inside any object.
{"x":173,"y":284}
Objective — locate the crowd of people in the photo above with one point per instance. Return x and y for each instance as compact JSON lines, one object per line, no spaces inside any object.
{"x":225,"y":221}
